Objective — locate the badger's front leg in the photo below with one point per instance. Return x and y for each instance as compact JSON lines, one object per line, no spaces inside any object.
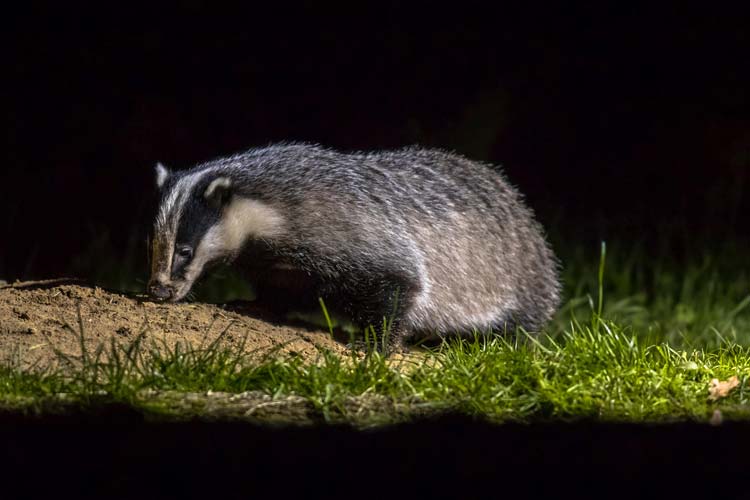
{"x":377,"y":306}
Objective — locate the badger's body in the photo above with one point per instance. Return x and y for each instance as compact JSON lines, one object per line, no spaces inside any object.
{"x":430,"y":240}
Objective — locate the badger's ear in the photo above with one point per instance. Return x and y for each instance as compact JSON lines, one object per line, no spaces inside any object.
{"x":162,"y":173}
{"x":218,"y":191}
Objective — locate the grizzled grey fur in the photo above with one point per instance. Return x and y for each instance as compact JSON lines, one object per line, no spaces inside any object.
{"x":438,"y":243}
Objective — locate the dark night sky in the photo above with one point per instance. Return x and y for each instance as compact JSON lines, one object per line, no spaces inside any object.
{"x":613,"y":121}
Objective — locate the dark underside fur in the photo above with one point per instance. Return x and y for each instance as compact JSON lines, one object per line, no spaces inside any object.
{"x":363,"y":298}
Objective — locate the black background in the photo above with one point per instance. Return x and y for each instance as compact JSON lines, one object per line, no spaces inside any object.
{"x":119,"y":456}
{"x":615,"y":121}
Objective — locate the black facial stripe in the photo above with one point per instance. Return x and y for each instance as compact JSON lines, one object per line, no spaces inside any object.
{"x":196,"y":218}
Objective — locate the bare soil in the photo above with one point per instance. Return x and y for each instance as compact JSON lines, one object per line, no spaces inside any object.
{"x":38,"y":318}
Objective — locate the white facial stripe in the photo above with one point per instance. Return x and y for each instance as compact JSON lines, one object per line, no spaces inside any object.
{"x":167,"y":222}
{"x":208,"y":249}
{"x":242,"y":218}
{"x":161,"y":257}
{"x":171,"y":209}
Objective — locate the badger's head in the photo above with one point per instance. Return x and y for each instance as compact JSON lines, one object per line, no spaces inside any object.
{"x":203,"y":219}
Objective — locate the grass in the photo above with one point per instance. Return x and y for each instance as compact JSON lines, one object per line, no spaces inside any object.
{"x":644,"y":346}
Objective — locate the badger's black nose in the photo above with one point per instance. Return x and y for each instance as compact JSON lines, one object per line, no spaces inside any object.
{"x":160,"y":291}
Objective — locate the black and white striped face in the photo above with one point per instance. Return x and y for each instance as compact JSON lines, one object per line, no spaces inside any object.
{"x":202,"y":220}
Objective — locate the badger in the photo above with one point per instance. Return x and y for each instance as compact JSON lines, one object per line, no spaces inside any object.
{"x":425,"y":242}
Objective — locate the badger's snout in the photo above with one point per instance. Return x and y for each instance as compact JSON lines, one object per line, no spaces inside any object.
{"x":160,"y":291}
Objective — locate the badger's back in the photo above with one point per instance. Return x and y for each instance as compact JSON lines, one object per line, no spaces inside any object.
{"x":454,"y":227}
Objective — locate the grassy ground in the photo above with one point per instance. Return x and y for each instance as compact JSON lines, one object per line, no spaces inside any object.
{"x":639,"y":340}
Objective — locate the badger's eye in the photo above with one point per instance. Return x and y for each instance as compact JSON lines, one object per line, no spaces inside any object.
{"x":185,"y":252}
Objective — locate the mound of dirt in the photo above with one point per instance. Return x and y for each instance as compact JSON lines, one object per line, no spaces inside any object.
{"x":37,"y":318}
